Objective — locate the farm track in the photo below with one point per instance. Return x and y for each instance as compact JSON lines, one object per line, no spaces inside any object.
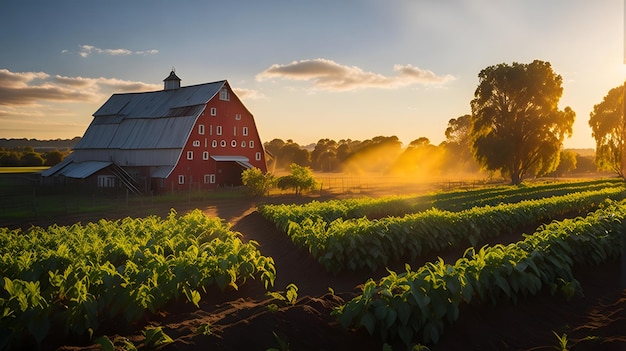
{"x":242,"y":320}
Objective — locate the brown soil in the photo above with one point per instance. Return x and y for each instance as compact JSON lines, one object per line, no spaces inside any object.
{"x":242,"y":320}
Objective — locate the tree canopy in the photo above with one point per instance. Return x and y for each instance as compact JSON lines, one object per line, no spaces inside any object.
{"x":607,"y":128}
{"x":517,"y":127}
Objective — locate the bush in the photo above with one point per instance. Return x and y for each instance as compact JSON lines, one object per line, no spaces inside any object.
{"x":257,"y":182}
{"x":300,"y":179}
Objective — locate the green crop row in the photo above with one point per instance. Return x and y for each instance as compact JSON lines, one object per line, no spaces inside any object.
{"x":362,"y":243}
{"x":457,"y":200}
{"x":74,"y":279}
{"x":415,"y":306}
{"x":512,"y":194}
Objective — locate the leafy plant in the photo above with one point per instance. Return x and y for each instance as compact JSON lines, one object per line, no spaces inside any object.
{"x":290,"y":295}
{"x":417,"y":304}
{"x":155,"y":336}
{"x":562,"y":342}
{"x":117,"y":270}
{"x":359,"y":243}
{"x":283,"y":344}
{"x":204,"y":329}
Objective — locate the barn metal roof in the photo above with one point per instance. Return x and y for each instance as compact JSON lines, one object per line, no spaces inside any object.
{"x":79,"y":170}
{"x":162,"y":172}
{"x":152,"y":120}
{"x":59,"y":166}
{"x":241,"y":160}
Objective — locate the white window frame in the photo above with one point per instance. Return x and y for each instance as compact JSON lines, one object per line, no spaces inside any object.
{"x":214,"y":143}
{"x":223,"y":143}
{"x":106,"y":181}
{"x":218,"y":130}
{"x":235,"y":130}
{"x":233,"y":143}
{"x":257,"y":156}
{"x":251,"y":144}
{"x":212,"y":178}
{"x":181,"y":179}
{"x":190,"y":155}
{"x":205,"y":155}
{"x":224,"y":94}
{"x":201,"y":129}
{"x":245,"y":131}
{"x":238,"y":116}
{"x":196,"y":143}
{"x":213,"y":111}
{"x":243,"y":143}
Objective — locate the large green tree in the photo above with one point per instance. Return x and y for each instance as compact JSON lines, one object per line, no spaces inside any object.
{"x":607,"y":127}
{"x":517,"y":126}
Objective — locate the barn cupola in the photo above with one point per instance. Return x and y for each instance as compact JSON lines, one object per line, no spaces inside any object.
{"x":171,"y":82}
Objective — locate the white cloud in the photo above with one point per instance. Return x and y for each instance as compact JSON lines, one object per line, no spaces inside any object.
{"x":248,"y":93}
{"x":28,"y":88}
{"x":329,"y":75}
{"x":88,"y":50}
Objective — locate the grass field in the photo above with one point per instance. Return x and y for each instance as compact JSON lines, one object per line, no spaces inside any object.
{"x":22,"y":169}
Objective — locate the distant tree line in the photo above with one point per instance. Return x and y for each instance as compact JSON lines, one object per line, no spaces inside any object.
{"x":39,"y":145}
{"x":34,"y":152}
{"x":28,"y":157}
{"x":386,"y":155}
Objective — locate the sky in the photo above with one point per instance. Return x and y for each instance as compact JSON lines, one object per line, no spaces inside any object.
{"x":306,"y":70}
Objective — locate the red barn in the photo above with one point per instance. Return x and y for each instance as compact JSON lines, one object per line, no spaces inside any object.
{"x":178,"y":138}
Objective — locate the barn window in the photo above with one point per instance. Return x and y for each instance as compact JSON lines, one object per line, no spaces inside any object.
{"x":245,"y":131}
{"x":235,"y":131}
{"x":205,"y":155}
{"x":190,"y":155}
{"x":196,"y":143}
{"x":181,"y":179}
{"x":214,"y":143}
{"x":233,"y":143}
{"x":243,"y":143}
{"x":213,"y":111}
{"x":219,"y":130}
{"x":251,"y":144}
{"x":201,"y":129}
{"x":211,"y":178}
{"x":223,"y":143}
{"x":238,"y":116}
{"x":106,"y":181}
{"x":224,"y":95}
{"x":257,"y":156}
